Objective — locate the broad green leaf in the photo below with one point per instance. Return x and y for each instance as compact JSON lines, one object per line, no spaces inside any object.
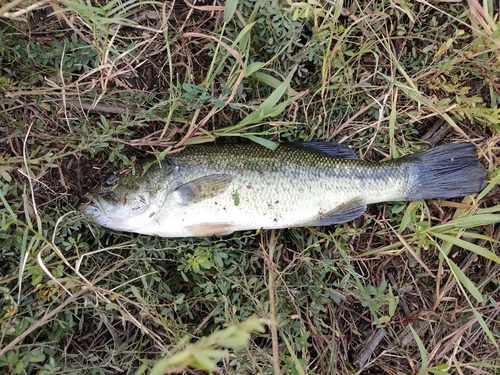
{"x":488,"y":210}
{"x":243,"y":33}
{"x":468,"y":222}
{"x":19,"y":367}
{"x":267,"y":107}
{"x":263,"y":142}
{"x":203,"y":362}
{"x":267,"y":79}
{"x":251,"y":118}
{"x":495,"y":180}
{"x":253,"y":68}
{"x":407,"y":217}
{"x":421,"y":349}
{"x":485,"y":328}
{"x":479,"y":236}
{"x":468,"y":246}
{"x":411,"y":92}
{"x":296,"y":362}
{"x":278,"y":109}
{"x":37,"y":356}
{"x":229,"y":9}
{"x":271,"y":101}
{"x":5,"y":175}
{"x":464,"y":280}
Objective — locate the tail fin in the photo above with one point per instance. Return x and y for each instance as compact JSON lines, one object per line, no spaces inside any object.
{"x":447,"y":171}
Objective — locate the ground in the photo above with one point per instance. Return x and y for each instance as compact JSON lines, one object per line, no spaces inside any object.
{"x":86,"y":88}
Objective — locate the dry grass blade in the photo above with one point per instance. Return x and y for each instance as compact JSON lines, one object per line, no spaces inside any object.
{"x":269,"y":253}
{"x":194,"y":128}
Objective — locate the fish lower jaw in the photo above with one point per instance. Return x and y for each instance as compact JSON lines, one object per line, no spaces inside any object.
{"x":124,"y":222}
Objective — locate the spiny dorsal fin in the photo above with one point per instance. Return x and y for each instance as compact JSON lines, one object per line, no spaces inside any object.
{"x":334,"y":150}
{"x":203,"y":188}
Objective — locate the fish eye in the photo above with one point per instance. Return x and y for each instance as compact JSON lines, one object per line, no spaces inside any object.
{"x":111,"y":180}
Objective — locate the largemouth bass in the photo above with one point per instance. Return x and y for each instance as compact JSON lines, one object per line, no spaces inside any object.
{"x":218,"y":189}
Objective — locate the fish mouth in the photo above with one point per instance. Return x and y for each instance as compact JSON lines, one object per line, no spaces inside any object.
{"x":97,"y":204}
{"x":90,"y":206}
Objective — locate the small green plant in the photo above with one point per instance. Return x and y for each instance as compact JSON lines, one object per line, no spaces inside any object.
{"x":208,"y":351}
{"x":197,"y":262}
{"x":196,"y":96}
{"x":65,"y":53}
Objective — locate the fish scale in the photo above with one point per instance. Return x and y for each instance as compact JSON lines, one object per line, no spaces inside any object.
{"x":213,"y":189}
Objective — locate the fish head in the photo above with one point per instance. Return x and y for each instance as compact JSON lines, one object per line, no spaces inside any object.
{"x":127,"y":201}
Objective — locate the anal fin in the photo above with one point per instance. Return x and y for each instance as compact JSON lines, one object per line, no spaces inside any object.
{"x":347,"y":211}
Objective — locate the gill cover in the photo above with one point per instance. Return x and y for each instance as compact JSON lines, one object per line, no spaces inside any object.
{"x":125,"y":201}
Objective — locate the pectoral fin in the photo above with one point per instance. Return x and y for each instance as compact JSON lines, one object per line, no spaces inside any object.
{"x":345,"y":212}
{"x":203,"y":188}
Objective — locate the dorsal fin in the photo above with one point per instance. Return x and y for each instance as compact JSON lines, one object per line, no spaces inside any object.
{"x":332,"y":149}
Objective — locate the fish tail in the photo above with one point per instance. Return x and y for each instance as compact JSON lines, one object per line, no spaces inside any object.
{"x":447,"y":171}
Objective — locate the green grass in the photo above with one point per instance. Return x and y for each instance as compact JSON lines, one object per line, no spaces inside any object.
{"x":87,"y":88}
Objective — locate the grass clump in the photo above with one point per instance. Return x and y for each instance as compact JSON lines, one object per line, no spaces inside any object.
{"x":87,"y":88}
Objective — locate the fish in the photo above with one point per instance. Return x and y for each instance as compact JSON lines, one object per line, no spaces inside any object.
{"x":211,"y":189}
